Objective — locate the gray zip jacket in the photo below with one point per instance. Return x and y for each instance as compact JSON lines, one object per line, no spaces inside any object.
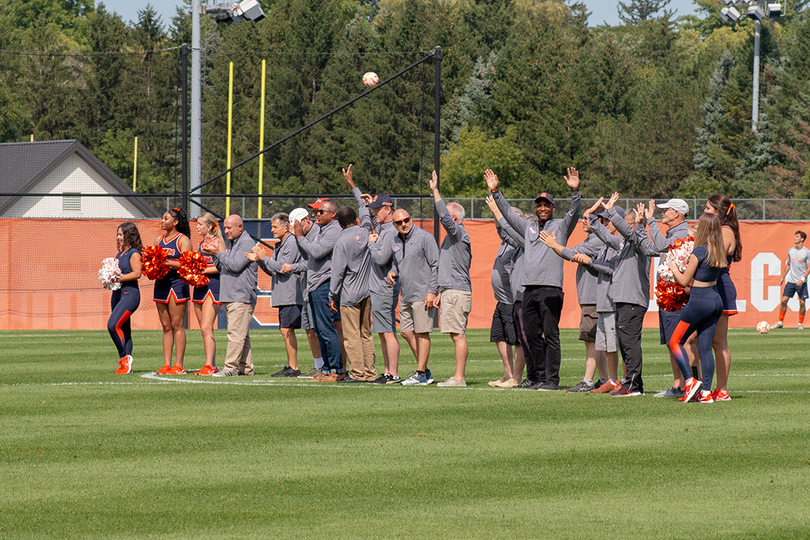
{"x":351,"y":267}
{"x":586,"y":282}
{"x":238,"y":275}
{"x":416,"y":263}
{"x":662,"y":242}
{"x":378,"y":284}
{"x":286,"y":287}
{"x":318,"y":252}
{"x":511,"y":237}
{"x":455,"y":255}
{"x":542,"y":266}
{"x":603,"y":265}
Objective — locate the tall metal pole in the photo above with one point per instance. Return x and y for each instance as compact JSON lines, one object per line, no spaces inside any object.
{"x":437,"y":101}
{"x":184,"y":129}
{"x":755,"y":99}
{"x":195,"y":176}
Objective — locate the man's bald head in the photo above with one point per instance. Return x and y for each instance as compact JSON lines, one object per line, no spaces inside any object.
{"x":402,"y":221}
{"x":233,"y":226}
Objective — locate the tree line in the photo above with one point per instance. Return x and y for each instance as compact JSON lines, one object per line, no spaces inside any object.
{"x":653,"y":107}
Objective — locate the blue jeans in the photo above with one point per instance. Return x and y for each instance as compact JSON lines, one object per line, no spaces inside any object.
{"x":324,"y":322}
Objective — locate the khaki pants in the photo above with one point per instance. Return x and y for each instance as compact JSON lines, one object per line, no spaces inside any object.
{"x":239,"y":357}
{"x":358,"y":340}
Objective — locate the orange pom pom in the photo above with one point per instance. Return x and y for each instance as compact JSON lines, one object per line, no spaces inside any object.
{"x":192,"y":266}
{"x":152,"y":262}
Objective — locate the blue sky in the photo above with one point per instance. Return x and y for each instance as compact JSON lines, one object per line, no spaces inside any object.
{"x":602,"y":10}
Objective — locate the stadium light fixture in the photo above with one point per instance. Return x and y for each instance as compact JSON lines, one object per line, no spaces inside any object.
{"x":756,"y":13}
{"x":231,"y":12}
{"x":730,"y":14}
{"x":773,"y":11}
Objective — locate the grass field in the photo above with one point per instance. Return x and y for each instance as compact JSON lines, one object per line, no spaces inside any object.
{"x":85,"y":453}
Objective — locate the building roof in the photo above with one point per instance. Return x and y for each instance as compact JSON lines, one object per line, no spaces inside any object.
{"x":24,"y":165}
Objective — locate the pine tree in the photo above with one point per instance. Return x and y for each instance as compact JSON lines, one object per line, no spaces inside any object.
{"x":637,"y":11}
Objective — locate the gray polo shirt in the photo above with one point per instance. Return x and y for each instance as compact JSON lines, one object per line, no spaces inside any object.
{"x":514,"y":239}
{"x":318,"y":252}
{"x":502,"y":272}
{"x":286,"y":287}
{"x":351,"y":267}
{"x":603,"y":265}
{"x":416,"y":263}
{"x":238,"y":275}
{"x":455,"y":255}
{"x":586,"y":282}
{"x":662,"y":242}
{"x":542,"y":266}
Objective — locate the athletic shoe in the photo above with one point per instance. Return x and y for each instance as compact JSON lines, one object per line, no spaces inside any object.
{"x":349,"y":380}
{"x":495,"y":383}
{"x":452,"y":381}
{"x":801,"y":326}
{"x":525,"y":383}
{"x":691,"y":389}
{"x":720,"y":395}
{"x":618,"y":388}
{"x":225,"y":373}
{"x":777,"y":325}
{"x":207,"y":370}
{"x":508,"y":383}
{"x":124,"y":365}
{"x":704,"y":396}
{"x":605,"y":388}
{"x":625,"y":391}
{"x":287,"y":372}
{"x":671,"y":392}
{"x":382,"y":379}
{"x":321,"y":377}
{"x":311,"y":374}
{"x":177,"y":370}
{"x":164,"y":370}
{"x":549,"y":387}
{"x":582,"y":386}
{"x":392,"y":379}
{"x":536,"y":385}
{"x":417,"y":380}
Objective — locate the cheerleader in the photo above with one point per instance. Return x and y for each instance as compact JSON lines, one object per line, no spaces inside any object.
{"x":704,"y":308}
{"x":722,"y":207}
{"x":126,"y":299}
{"x":206,"y":298}
{"x":171,"y":293}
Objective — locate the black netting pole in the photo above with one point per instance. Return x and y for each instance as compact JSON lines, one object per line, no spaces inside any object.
{"x":436,"y":127}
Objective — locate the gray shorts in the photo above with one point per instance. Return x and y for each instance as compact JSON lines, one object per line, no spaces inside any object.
{"x":307,"y":321}
{"x":383,"y":313}
{"x":606,"y":337}
{"x":587,"y":322}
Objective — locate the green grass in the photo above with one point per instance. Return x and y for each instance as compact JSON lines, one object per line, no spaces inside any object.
{"x":85,"y":453}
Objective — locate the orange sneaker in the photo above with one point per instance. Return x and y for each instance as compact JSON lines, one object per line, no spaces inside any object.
{"x":164,"y":370}
{"x":691,"y":389}
{"x":124,"y":365}
{"x":177,"y":370}
{"x":321,"y":377}
{"x":704,"y":396}
{"x":207,"y":370}
{"x":604,"y":388}
{"x":721,"y":395}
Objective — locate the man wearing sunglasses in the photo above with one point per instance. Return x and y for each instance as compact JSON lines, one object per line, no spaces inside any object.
{"x":455,"y":289}
{"x":416,"y":268}
{"x":318,"y":252}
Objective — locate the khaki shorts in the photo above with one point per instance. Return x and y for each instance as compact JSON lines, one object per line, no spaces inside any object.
{"x":587,"y":323}
{"x":606,"y":337}
{"x":414,"y":317}
{"x":455,"y":308}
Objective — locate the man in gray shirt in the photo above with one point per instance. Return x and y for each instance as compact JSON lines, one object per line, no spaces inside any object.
{"x":416,"y":267}
{"x":318,"y":253}
{"x":349,"y":292}
{"x":238,"y":278}
{"x":286,"y":296}
{"x":379,"y":210}
{"x":543,"y":275}
{"x":455,"y":291}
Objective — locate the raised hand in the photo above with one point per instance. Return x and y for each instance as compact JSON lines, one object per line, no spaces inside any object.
{"x":593,"y":208}
{"x":572,"y":180}
{"x":649,"y":212}
{"x":490,"y":200}
{"x":259,"y":251}
{"x":347,"y":175}
{"x":640,"y":210}
{"x":434,"y":181}
{"x":612,"y":201}
{"x":492,"y":180}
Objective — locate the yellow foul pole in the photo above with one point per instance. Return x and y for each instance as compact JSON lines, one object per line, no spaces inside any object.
{"x":261,"y":140}
{"x":230,"y":132}
{"x":135,"y":168}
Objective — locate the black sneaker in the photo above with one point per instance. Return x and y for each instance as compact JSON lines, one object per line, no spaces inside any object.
{"x":382,"y":379}
{"x":582,"y":386}
{"x":526,"y":383}
{"x":549,"y":387}
{"x":287,"y":372}
{"x":536,"y":386}
{"x":392,"y":379}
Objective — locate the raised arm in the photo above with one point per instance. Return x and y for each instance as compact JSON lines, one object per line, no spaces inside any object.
{"x":518,"y":223}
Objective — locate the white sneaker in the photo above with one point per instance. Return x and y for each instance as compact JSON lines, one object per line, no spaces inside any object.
{"x":452,"y":382}
{"x":777,"y":325}
{"x":801,"y":326}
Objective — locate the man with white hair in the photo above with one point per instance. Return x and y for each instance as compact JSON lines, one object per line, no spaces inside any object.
{"x":455,"y":290}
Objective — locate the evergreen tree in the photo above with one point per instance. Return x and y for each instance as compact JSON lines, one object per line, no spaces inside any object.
{"x":636,"y":11}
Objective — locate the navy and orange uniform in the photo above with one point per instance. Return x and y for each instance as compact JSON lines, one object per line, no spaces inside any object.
{"x":726,"y":288}
{"x":212,"y":289}
{"x":124,"y":303}
{"x":171,"y":286}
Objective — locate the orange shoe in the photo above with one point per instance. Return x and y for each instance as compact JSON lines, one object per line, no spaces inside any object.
{"x":721,"y":395}
{"x":177,"y":370}
{"x":207,"y":370}
{"x":605,"y":388}
{"x":124,"y":365}
{"x":164,"y":370}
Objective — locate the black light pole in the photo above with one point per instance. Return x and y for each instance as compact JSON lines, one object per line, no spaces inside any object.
{"x":437,"y":100}
{"x":184,"y":130}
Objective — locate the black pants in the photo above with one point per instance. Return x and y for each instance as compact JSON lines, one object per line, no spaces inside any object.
{"x":542,"y":307}
{"x":629,"y":321}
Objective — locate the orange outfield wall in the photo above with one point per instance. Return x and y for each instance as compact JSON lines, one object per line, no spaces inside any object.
{"x":49,"y":274}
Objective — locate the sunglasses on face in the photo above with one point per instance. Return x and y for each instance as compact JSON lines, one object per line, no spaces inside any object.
{"x":403,"y":221}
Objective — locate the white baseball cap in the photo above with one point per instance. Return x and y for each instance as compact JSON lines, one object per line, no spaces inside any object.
{"x":298,"y":214}
{"x":676,"y":204}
